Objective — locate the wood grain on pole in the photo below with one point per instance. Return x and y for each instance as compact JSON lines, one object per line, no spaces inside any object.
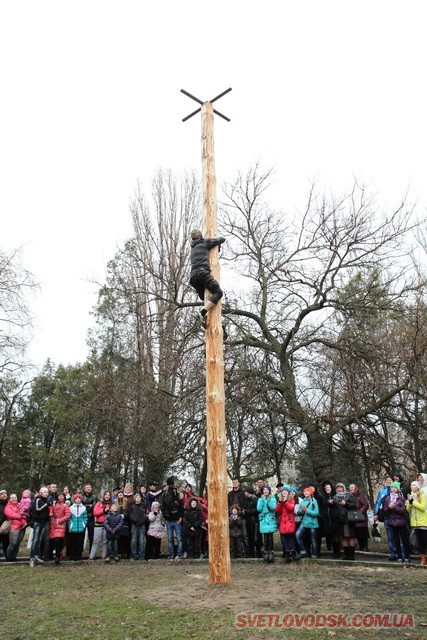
{"x":219,"y":546}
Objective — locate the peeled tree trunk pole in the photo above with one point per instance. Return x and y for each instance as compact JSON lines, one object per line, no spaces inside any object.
{"x":219,"y":540}
{"x":219,"y":545}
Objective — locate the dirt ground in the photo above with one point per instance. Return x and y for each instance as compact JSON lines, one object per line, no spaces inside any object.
{"x":173,"y":600}
{"x":306,"y":586}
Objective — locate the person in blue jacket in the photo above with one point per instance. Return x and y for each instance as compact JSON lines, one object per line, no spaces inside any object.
{"x":266,"y":507}
{"x":308,"y":509}
{"x":76,"y":527}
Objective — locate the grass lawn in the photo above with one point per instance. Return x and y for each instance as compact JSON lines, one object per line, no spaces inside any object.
{"x":170,"y":600}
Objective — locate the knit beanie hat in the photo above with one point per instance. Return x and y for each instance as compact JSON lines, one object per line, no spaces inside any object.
{"x":309,"y":489}
{"x":396,"y":484}
{"x":417,"y":484}
{"x":77,"y":495}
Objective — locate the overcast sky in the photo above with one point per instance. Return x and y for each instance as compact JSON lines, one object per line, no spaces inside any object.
{"x":91,"y":103}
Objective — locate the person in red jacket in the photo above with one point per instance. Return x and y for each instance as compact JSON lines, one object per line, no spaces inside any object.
{"x":18,"y":524}
{"x":285,"y":509}
{"x":59,"y":515}
{"x":100,"y":510}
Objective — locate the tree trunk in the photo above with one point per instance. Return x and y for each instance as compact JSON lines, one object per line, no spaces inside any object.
{"x":320,"y":450}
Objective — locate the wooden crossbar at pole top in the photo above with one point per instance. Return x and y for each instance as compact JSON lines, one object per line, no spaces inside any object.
{"x":219,"y":545}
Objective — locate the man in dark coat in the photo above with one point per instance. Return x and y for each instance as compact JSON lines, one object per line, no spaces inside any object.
{"x":89,"y":500}
{"x":200,"y":277}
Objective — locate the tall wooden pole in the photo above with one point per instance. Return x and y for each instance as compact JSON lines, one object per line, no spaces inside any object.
{"x":219,"y":546}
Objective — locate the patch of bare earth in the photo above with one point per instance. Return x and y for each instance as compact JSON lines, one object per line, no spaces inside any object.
{"x":305,"y":587}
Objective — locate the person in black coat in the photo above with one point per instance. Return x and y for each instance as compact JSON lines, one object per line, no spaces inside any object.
{"x":138,"y":518}
{"x":345,"y":502}
{"x":192,"y":527}
{"x":329,"y":514}
{"x":200,"y":277}
{"x":254,"y":542}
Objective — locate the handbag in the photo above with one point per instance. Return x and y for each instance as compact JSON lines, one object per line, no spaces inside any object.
{"x":355,"y":516}
{"x":5,"y":528}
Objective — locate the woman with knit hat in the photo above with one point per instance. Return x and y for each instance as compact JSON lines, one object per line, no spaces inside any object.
{"x":416,"y":506}
{"x":308,"y":509}
{"x":394,"y":509}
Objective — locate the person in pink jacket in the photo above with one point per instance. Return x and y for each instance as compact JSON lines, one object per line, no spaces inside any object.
{"x":60,"y":514}
{"x":18,"y":524}
{"x":25,"y":504}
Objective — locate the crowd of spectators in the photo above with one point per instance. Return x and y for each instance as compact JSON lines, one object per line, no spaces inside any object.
{"x":124,"y":523}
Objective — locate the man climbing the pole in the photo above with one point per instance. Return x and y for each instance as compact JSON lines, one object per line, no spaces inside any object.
{"x":200,"y":277}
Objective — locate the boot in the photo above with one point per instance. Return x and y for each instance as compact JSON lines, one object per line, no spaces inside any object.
{"x":295,"y":556}
{"x":336,"y":552}
{"x":423,"y":562}
{"x":271,"y":556}
{"x":351,"y":551}
{"x":288,"y":558}
{"x":265,"y":556}
{"x":346,"y":553}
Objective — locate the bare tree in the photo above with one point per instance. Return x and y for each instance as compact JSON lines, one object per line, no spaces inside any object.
{"x":149,"y":341}
{"x":16,"y":283}
{"x":290,"y":305}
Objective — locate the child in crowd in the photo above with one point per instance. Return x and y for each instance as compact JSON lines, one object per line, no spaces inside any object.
{"x":155,"y":533}
{"x":113,"y":523}
{"x":25,"y":504}
{"x":59,"y":515}
{"x":76,"y":527}
{"x":138,"y":519}
{"x":308,"y":509}
{"x":236,"y":532}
